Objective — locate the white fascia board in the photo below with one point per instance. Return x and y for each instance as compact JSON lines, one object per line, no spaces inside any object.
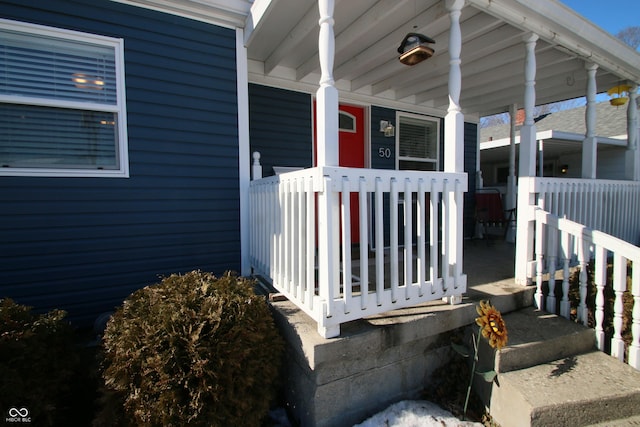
{"x":497,"y":143}
{"x":253,"y":21}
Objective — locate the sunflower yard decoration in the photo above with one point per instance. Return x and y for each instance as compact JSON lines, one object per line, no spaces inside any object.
{"x":491,"y":325}
{"x":493,"y":328}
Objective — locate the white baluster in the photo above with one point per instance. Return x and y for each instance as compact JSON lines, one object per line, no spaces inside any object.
{"x":600,"y":279}
{"x":393,"y":237}
{"x":408,"y":233}
{"x":302,"y":239}
{"x":379,"y":227}
{"x":434,"y":216}
{"x":364,"y":253}
{"x":565,"y":306}
{"x":539,"y":297}
{"x":421,"y":243}
{"x":619,"y":286}
{"x":552,"y":252}
{"x":346,"y":242}
{"x":583,"y":259}
{"x":311,"y":242}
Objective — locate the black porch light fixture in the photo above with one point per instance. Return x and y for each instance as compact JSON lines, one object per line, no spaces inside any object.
{"x":415,"y":48}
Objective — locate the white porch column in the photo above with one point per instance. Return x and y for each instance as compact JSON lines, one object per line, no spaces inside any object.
{"x":454,"y":120}
{"x":590,"y":143}
{"x":327,"y":94}
{"x":327,"y":155}
{"x":526,"y":200}
{"x":454,"y":149}
{"x":632,"y":166}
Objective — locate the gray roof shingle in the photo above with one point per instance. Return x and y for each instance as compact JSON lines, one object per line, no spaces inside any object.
{"x":610,"y":122}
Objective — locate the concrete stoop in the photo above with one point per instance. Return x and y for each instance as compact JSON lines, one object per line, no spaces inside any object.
{"x":551,"y":374}
{"x":376,"y":361}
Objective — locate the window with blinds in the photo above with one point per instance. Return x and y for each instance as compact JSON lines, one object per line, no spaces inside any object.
{"x":62,"y":105}
{"x":417,"y":139}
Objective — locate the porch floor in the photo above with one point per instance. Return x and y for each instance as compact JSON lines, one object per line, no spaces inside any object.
{"x":485,"y":261}
{"x":488,"y":264}
{"x":488,"y":261}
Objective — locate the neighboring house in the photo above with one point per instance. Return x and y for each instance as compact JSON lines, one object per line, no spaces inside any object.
{"x":559,"y":144}
{"x":128,"y":126}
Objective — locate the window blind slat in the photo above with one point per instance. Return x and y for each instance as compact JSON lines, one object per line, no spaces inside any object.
{"x":39,"y":136}
{"x":44,"y":67}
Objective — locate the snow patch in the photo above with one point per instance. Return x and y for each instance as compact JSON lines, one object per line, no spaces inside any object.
{"x":415,"y":413}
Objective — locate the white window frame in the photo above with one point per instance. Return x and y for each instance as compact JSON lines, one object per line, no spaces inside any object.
{"x":119,"y":109}
{"x":399,"y":158}
{"x":352,"y":117}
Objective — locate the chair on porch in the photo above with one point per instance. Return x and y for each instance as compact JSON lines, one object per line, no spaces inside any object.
{"x":490,"y":215}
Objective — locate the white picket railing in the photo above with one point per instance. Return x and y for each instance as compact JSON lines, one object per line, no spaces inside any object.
{"x":301,"y":240}
{"x":578,"y":222}
{"x":603,"y":205}
{"x":561,"y":244}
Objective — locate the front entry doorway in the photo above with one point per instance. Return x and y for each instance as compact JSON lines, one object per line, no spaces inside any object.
{"x":351,"y":152}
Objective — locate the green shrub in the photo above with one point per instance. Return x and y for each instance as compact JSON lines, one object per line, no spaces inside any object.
{"x":193,"y":350}
{"x":37,"y":362}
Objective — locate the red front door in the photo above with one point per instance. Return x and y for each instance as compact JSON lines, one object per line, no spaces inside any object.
{"x":351,"y":152}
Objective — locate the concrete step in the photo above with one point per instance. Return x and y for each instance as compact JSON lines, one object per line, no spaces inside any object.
{"x":537,"y":337}
{"x":575,"y":391}
{"x":622,"y":422}
{"x":551,"y":374}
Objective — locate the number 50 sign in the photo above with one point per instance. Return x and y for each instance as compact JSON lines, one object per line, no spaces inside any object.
{"x":384,"y":152}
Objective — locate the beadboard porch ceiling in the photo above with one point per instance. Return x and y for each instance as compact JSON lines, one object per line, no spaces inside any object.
{"x":281,"y":37}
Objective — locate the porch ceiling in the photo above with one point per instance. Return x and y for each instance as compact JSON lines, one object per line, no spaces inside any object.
{"x":282,"y":41}
{"x":281,"y":37}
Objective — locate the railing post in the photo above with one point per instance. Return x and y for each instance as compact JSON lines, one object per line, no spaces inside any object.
{"x":256,"y":167}
{"x":327,"y":155}
{"x":454,"y":148}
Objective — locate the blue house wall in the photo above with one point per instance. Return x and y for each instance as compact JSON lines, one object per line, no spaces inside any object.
{"x":280,"y":127}
{"x":84,"y":244}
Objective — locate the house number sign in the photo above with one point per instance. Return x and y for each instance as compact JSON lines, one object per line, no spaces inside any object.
{"x":384,"y":152}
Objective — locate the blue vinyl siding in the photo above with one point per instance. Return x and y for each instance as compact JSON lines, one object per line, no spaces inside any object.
{"x":379,"y":141}
{"x":83,"y":244}
{"x":280,"y":127}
